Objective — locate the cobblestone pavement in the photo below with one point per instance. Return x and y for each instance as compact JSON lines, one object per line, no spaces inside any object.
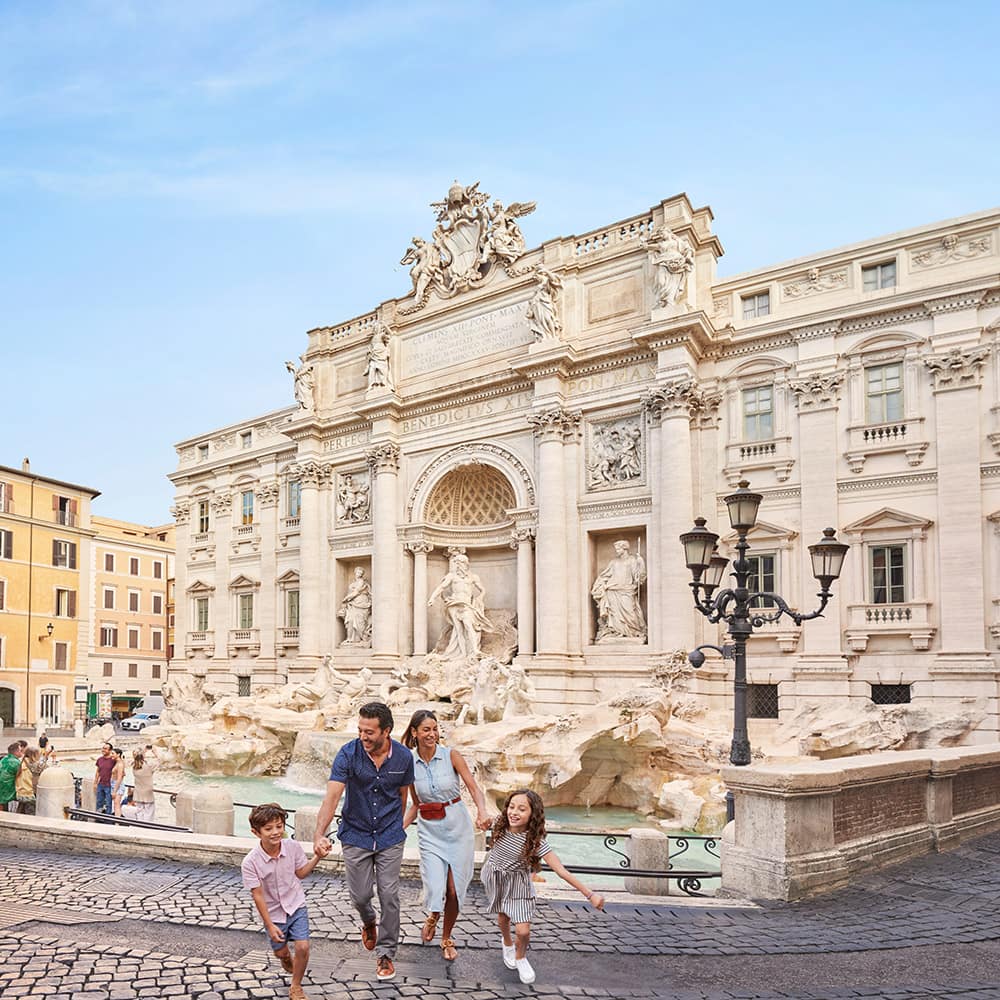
{"x":88,"y":928}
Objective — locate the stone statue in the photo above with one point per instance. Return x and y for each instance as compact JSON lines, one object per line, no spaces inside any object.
{"x":379,"y":363}
{"x":616,"y":591}
{"x":464,"y":603}
{"x":305,"y":383}
{"x":353,"y":504}
{"x":355,"y":693}
{"x":426,"y":260}
{"x":356,"y":611}
{"x":543,"y":315}
{"x":505,"y":239}
{"x":672,"y":258}
{"x":614,"y":455}
{"x":517,"y":693}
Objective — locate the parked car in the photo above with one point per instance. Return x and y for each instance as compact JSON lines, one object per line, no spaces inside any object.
{"x":138,"y":722}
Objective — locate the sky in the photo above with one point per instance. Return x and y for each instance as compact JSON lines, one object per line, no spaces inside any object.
{"x":188,"y":187}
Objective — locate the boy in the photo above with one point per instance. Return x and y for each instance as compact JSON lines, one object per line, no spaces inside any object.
{"x":272,"y":872}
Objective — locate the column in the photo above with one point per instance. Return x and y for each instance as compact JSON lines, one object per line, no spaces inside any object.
{"x":182,"y":603}
{"x":384,"y":462}
{"x":420,"y":552}
{"x":571,"y":460}
{"x":520,"y":540}
{"x":312,"y":544}
{"x":269,"y":617}
{"x":552,"y":549}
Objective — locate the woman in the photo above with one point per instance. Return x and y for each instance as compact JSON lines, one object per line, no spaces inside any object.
{"x":445,"y":832}
{"x":144,"y":765}
{"x":26,"y":782}
{"x":118,"y":779}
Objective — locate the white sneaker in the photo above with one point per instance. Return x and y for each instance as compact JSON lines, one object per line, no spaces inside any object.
{"x":509,"y":955}
{"x":525,"y":971}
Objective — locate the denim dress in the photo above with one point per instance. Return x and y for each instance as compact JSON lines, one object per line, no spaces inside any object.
{"x":444,"y":843}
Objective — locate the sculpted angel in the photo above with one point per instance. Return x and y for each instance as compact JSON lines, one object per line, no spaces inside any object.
{"x":426,"y":260}
{"x":505,"y":239}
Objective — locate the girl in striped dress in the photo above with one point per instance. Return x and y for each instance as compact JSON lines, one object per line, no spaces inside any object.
{"x":519,"y":846}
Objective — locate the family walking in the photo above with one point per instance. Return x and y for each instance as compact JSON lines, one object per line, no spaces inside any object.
{"x":385,"y":786}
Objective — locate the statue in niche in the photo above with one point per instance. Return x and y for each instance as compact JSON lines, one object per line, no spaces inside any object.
{"x":614,"y":455}
{"x":305,"y":383}
{"x":353,"y":505}
{"x":464,"y":598}
{"x":356,"y":611}
{"x":672,"y":258}
{"x":379,"y":362}
{"x":616,"y":591}
{"x":543,"y":313}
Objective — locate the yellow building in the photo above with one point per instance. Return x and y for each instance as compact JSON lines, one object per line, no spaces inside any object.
{"x":133,"y":568}
{"x":46,"y":539}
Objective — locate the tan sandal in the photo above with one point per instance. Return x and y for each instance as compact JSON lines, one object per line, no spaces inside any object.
{"x":448,"y":950}
{"x":430,"y":927}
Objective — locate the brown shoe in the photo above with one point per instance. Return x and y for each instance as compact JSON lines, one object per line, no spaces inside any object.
{"x":369,"y":936}
{"x":384,"y":969}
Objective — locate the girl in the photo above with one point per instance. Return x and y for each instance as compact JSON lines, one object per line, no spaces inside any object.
{"x":518,"y":848}
{"x":118,"y":780}
{"x":444,"y":833}
{"x":32,"y":764}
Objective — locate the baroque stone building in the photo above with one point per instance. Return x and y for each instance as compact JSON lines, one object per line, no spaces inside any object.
{"x":532,"y":408}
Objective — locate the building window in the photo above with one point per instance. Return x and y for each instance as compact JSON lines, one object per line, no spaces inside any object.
{"x":758,"y":413}
{"x":108,"y":669}
{"x":884,"y":387}
{"x":243,"y":687}
{"x":155,"y":672}
{"x":294,"y":497}
{"x":6,"y":498}
{"x":887,"y":564}
{"x":891,"y":694}
{"x":246,"y":439}
{"x":762,"y":701}
{"x":877,"y":276}
{"x":157,"y":640}
{"x":202,"y":452}
{"x":246,"y":506}
{"x":109,"y":635}
{"x":62,"y":655}
{"x":133,"y":670}
{"x":65,"y":603}
{"x":49,"y":708}
{"x":6,"y":544}
{"x":133,"y":566}
{"x":246,"y":611}
{"x":133,"y":601}
{"x":757,"y":305}
{"x":292,"y":608}
{"x":133,"y":638}
{"x":63,"y":554}
{"x":64,"y":510}
{"x":157,"y":604}
{"x":157,"y":570}
{"x":201,"y":614}
{"x":762,"y":578}
{"x":109,"y":562}
{"x":202,"y":516}
{"x":109,"y":598}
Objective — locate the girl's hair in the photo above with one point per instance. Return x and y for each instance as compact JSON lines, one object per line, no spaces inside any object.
{"x":138,"y":759}
{"x":31,"y":755}
{"x":418,"y":717}
{"x":535,"y":830}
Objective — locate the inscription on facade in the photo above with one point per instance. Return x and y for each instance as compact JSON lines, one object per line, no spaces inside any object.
{"x":493,"y":331}
{"x":351,"y":440}
{"x":618,"y":376}
{"x":470,"y":411}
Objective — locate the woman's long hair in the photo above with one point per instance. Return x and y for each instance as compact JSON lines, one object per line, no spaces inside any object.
{"x":535,"y":832}
{"x":419,"y":716}
{"x":138,"y":759}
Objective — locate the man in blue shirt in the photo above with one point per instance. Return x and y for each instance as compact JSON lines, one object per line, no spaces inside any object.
{"x":377,"y":773}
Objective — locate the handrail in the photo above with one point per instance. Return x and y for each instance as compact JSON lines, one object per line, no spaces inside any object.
{"x":72,"y":812}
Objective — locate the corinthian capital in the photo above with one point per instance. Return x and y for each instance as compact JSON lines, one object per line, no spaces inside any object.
{"x":551,"y":425}
{"x":959,"y":368}
{"x":181,"y":511}
{"x":309,"y":473}
{"x":268,"y":493}
{"x":682,"y":397}
{"x":222,"y":502}
{"x":415,"y":547}
{"x":521,"y":535}
{"x":818,"y":391}
{"x":383,"y":457}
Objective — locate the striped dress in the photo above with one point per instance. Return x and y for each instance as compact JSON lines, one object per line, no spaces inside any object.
{"x":507,"y":877}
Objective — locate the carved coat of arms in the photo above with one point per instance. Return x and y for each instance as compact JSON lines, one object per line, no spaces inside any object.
{"x":470,"y":237}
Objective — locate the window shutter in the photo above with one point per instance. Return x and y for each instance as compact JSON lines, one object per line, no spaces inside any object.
{"x":9,"y":498}
{"x":55,"y":502}
{"x":72,"y":555}
{"x":72,"y":604}
{"x":55,"y":552}
{"x":3,"y":594}
{"x":73,"y":508}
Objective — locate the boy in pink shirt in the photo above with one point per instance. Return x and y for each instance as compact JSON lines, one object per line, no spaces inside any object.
{"x":272,"y":872}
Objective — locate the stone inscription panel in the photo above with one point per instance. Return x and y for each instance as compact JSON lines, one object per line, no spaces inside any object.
{"x":468,"y":412}
{"x":351,"y":378}
{"x":629,"y":375}
{"x":609,"y":299}
{"x":493,"y":331}
{"x":349,"y":440}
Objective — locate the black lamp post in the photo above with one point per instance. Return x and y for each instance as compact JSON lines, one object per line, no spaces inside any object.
{"x":734,"y":605}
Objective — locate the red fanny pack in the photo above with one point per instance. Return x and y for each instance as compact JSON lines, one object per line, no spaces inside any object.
{"x":434,"y":810}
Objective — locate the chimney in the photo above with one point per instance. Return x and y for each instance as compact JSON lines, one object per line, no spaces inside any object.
{"x":25,"y":465}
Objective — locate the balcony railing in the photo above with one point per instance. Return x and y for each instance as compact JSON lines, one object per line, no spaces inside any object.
{"x":902,"y":618}
{"x":244,"y":640}
{"x":66,"y":517}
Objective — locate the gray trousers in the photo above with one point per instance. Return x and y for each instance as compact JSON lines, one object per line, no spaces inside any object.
{"x":366,"y":871}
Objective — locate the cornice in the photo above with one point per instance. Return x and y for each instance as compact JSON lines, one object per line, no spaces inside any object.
{"x":590,"y":510}
{"x":885,"y":482}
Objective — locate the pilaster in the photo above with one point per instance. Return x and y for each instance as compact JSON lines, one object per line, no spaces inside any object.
{"x":383,"y":459}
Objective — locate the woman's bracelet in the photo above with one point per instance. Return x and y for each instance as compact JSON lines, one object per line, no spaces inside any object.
{"x":588,"y":895}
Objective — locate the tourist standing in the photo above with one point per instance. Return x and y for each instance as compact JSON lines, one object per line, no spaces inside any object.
{"x":10,"y":764}
{"x":102,"y":779}
{"x":118,"y":780}
{"x":377,"y":774}
{"x":444,"y":830}
{"x":32,"y":765}
{"x":144,"y":765}
{"x":519,"y":846}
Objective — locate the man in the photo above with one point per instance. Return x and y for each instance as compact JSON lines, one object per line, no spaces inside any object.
{"x":9,"y":766}
{"x":102,"y":779}
{"x":377,"y":773}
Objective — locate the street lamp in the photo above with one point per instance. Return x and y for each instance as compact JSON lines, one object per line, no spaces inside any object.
{"x":734,"y":605}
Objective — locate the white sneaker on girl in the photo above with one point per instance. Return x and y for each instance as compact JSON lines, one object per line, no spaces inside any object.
{"x":525,"y":971}
{"x":509,"y":955}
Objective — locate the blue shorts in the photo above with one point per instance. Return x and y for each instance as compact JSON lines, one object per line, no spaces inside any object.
{"x":295,"y":928}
